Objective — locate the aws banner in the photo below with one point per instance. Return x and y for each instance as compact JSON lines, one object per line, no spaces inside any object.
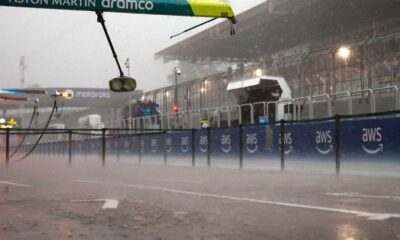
{"x":201,"y":143}
{"x":255,"y":142}
{"x":307,"y":141}
{"x":225,"y":143}
{"x":302,"y":141}
{"x":179,"y":143}
{"x":199,"y":8}
{"x":374,"y":140}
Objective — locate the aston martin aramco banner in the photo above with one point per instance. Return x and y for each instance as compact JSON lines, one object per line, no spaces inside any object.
{"x":200,"y":8}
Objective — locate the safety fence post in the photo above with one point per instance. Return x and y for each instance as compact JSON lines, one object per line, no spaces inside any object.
{"x":241,"y":146}
{"x":193,"y":147}
{"x":85,"y":147}
{"x":62,"y":151}
{"x":7,"y":147}
{"x":140,"y":149}
{"x":118,"y":145}
{"x":103,"y":147}
{"x":69,"y":147}
{"x":282,"y":144}
{"x":208,"y":147}
{"x":338,"y":143}
{"x":165,"y":149}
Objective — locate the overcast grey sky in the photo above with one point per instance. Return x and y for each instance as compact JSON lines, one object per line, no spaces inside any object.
{"x":69,"y":49}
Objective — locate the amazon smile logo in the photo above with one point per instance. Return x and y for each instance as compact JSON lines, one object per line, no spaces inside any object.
{"x":323,"y":138}
{"x":252,"y":143}
{"x":226,"y":146}
{"x":288,"y":143}
{"x":373,"y":151}
{"x":288,"y":150}
{"x":154,"y":145}
{"x":203,"y":144}
{"x":185,"y":144}
{"x":168,"y":145}
{"x":370,"y":136}
{"x":325,"y":152}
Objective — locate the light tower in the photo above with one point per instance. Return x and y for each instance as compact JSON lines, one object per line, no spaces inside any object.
{"x":22,"y":68}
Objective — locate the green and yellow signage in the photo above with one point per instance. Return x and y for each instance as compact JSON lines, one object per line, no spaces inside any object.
{"x":198,"y":8}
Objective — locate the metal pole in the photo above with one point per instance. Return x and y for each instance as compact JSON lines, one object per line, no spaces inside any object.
{"x":345,"y":71}
{"x":7,"y":147}
{"x":241,"y":146}
{"x":128,"y":66}
{"x":118,"y":145}
{"x":85,"y":141}
{"x":70,"y":147}
{"x":165,"y":149}
{"x":129,"y":111}
{"x":282,"y":143}
{"x":62,"y":153}
{"x":140,"y":149}
{"x":103,"y":147}
{"x":176,"y":99}
{"x":208,"y":147}
{"x":193,"y":147}
{"x":338,"y":143}
{"x":176,"y":87}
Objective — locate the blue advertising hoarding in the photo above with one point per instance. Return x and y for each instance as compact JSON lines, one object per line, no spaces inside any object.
{"x":373,"y":140}
{"x":307,"y":141}
{"x":361,"y":140}
{"x":179,"y":143}
{"x":225,"y":143}
{"x":255,"y":142}
{"x":153,"y":145}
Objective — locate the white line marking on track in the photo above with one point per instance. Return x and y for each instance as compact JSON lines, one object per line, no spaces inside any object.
{"x":368,"y":215}
{"x":358,"y":195}
{"x":171,"y":180}
{"x":15,"y":184}
{"x":108,"y":203}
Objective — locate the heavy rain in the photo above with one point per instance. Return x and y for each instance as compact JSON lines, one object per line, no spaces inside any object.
{"x":200,"y":119}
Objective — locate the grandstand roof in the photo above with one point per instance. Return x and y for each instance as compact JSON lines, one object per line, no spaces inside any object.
{"x":276,"y":25}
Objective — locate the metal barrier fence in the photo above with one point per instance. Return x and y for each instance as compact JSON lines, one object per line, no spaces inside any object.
{"x":362,"y":139}
{"x":311,"y":107}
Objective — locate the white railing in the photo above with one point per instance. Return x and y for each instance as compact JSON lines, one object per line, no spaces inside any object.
{"x":298,"y":107}
{"x":394,"y":89}
{"x":216,"y":114}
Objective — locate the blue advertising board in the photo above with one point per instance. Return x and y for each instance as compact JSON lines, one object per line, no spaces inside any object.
{"x":153,"y":145}
{"x":94,"y":146}
{"x":201,"y":143}
{"x":307,"y":141}
{"x":374,"y":140}
{"x":179,"y":143}
{"x":366,"y":140}
{"x":125,"y":145}
{"x":254,"y":142}
{"x":225,"y":143}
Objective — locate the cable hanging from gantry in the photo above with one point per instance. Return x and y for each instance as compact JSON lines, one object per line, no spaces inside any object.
{"x":34,"y":115}
{"x":232,"y":22}
{"x":42,"y":132}
{"x":101,"y":20}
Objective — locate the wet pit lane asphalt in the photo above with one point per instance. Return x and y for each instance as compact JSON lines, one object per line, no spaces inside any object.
{"x":44,"y":198}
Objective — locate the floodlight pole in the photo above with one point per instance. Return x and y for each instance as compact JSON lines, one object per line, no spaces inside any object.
{"x":175,"y":86}
{"x":128,"y":66}
{"x":101,"y":20}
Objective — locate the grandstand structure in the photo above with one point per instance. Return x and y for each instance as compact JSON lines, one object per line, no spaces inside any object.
{"x":303,"y":41}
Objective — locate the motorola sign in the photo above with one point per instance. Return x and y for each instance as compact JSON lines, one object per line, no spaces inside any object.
{"x":92,"y":94}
